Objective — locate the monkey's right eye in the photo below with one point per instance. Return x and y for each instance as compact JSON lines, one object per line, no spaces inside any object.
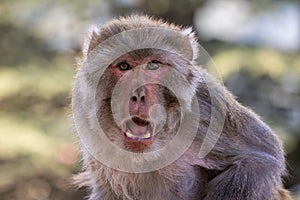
{"x":124,"y":66}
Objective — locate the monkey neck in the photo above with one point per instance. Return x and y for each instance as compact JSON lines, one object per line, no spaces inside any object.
{"x":176,"y":181}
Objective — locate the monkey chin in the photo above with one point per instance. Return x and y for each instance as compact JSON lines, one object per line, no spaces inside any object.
{"x":138,"y":134}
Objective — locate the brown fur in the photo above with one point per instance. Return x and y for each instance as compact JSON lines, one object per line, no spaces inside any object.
{"x":246,"y":163}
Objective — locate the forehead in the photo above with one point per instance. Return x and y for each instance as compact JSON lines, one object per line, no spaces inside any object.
{"x":144,"y":55}
{"x":148,"y":53}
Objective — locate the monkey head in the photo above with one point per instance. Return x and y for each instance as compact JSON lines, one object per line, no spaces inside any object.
{"x":145,"y":81}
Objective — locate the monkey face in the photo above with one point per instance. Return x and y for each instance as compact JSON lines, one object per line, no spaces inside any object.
{"x":134,"y":96}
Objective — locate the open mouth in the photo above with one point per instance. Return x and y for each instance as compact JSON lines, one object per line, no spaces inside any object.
{"x":138,"y":129}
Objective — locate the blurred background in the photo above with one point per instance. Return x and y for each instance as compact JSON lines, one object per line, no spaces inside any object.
{"x":255,"y":44}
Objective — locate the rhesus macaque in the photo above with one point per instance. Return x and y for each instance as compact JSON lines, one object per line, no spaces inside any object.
{"x":245,"y":163}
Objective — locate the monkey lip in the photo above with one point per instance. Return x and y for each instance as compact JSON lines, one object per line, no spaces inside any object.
{"x":138,"y":129}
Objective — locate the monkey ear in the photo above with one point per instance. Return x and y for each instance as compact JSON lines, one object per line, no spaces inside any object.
{"x":193,"y":42}
{"x":90,"y":41}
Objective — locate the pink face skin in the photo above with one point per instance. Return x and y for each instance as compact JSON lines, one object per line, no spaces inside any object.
{"x":147,"y":95}
{"x":142,"y":99}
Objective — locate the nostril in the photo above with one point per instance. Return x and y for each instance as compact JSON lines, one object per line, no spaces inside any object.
{"x":134,"y":98}
{"x":142,"y":98}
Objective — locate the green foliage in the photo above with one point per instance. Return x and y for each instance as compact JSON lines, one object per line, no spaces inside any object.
{"x":257,"y":62}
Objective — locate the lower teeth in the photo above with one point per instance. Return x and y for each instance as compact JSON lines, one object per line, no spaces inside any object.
{"x":148,"y":135}
{"x":145,"y":136}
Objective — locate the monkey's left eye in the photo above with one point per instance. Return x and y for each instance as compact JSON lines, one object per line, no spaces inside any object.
{"x":123,"y":66}
{"x":153,"y":65}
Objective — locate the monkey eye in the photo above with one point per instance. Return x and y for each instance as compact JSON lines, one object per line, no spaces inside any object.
{"x":153,"y":65}
{"x":124,"y":66}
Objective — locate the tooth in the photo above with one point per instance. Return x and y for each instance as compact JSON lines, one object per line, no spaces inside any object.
{"x":147,"y":135}
{"x":128,"y":134}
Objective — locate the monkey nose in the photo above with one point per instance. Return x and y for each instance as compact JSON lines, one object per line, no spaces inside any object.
{"x":138,"y":96}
